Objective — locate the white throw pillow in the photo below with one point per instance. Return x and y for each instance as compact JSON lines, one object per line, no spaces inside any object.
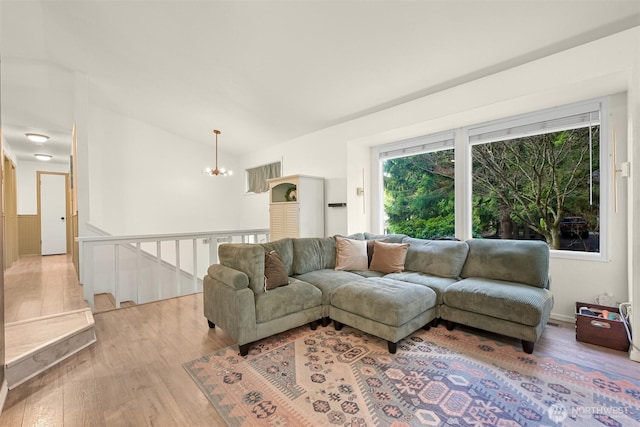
{"x":351,"y":254}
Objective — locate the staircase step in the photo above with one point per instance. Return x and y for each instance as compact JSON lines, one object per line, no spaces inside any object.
{"x":106,"y":302}
{"x":34,"y":345}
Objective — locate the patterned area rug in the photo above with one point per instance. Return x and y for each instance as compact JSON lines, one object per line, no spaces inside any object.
{"x":437,"y":378}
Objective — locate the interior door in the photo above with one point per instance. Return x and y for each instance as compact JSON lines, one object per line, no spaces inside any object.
{"x":53,"y":214}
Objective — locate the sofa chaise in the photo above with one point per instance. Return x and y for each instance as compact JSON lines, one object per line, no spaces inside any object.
{"x":495,"y":285}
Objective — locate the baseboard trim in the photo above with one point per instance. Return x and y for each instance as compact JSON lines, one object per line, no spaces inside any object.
{"x":563,"y":318}
{"x":634,"y":355}
{"x":4,"y":391}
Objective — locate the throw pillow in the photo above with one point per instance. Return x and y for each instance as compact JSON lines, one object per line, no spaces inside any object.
{"x":275,"y":274}
{"x":370,"y":247}
{"x":351,"y":254}
{"x":388,"y":257}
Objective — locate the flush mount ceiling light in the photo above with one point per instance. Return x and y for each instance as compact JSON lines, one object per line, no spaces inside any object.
{"x":217,"y":171}
{"x":37,"y":137}
{"x":43,"y":157}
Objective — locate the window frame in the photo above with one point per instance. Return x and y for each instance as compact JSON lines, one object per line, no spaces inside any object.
{"x":464,"y":138}
{"x":438,"y":145}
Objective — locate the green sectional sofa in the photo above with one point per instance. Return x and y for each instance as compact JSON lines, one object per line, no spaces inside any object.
{"x":495,"y":285}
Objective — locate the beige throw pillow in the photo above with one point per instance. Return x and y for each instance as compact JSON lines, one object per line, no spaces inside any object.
{"x":388,"y":257}
{"x":370,"y":247}
{"x":275,"y":274}
{"x":351,"y":254}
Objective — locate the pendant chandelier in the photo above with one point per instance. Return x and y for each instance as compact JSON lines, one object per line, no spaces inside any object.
{"x":217,"y":171}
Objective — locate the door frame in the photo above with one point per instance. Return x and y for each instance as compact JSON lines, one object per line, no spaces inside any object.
{"x":67,"y":209}
{"x":9,"y":212}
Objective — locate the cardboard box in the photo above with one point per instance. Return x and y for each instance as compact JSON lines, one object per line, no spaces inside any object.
{"x":599,"y":331}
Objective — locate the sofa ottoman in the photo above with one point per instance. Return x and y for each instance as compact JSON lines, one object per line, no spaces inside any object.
{"x":389,"y":309}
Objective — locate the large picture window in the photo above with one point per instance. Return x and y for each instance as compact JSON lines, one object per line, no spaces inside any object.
{"x":419,"y":187}
{"x":538,"y":177}
{"x":535,"y":176}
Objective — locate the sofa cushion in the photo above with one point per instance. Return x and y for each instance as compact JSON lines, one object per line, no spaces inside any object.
{"x":388,"y":257}
{"x":245,"y":257}
{"x":351,"y":254}
{"x":279,"y":302}
{"x":437,"y":284}
{"x":313,"y":253}
{"x":275,"y":275}
{"x":355,"y":236}
{"x":521,"y":261}
{"x":444,"y":258}
{"x":284,"y":247}
{"x":387,"y":301}
{"x":327,"y":280}
{"x":515,"y":302}
{"x":368,"y":273}
{"x":392,"y":238}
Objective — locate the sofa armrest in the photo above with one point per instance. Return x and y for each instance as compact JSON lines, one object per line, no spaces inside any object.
{"x":234,"y":310}
{"x":228,"y":276}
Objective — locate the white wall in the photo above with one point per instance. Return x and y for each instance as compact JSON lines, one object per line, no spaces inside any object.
{"x":26,"y":174}
{"x":144,"y":180}
{"x":311,"y":155}
{"x":342,"y":152}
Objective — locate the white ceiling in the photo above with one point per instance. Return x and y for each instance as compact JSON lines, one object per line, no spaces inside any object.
{"x":265,"y":72}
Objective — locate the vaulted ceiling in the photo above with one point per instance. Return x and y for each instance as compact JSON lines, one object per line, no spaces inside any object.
{"x":266,"y":71}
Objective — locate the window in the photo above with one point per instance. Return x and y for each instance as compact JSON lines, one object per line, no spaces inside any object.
{"x":257,"y":177}
{"x":538,"y":177}
{"x":535,"y":176}
{"x":418,"y":184}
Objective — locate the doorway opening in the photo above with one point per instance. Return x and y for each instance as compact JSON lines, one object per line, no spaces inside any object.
{"x":53,"y":212}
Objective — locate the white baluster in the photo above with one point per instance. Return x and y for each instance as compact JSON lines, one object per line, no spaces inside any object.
{"x":158,"y":268}
{"x":116,"y":275}
{"x":195,"y":265}
{"x":178,"y":267}
{"x":138,"y":271}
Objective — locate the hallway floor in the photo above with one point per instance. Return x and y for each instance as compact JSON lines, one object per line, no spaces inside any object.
{"x":36,"y":286}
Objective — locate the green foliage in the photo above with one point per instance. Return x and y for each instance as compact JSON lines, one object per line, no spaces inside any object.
{"x":419,"y":195}
{"x":523,"y":184}
{"x":537,"y":180}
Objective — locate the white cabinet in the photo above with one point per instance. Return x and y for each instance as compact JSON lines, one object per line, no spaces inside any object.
{"x":296,"y":207}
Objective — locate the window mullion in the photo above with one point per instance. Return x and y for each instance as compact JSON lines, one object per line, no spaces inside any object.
{"x":463,"y":194}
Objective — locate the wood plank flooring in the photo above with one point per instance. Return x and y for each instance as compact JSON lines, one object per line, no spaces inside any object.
{"x":133,"y":375}
{"x":36,"y":286}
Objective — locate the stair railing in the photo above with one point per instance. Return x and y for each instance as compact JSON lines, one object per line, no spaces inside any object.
{"x":147,"y":268}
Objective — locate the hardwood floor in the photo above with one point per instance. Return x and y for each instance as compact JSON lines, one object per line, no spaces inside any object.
{"x":133,"y":375}
{"x":36,"y":286}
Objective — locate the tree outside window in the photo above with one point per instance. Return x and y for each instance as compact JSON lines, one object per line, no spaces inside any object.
{"x":419,"y":195}
{"x":543,"y":187}
{"x":533,"y":176}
